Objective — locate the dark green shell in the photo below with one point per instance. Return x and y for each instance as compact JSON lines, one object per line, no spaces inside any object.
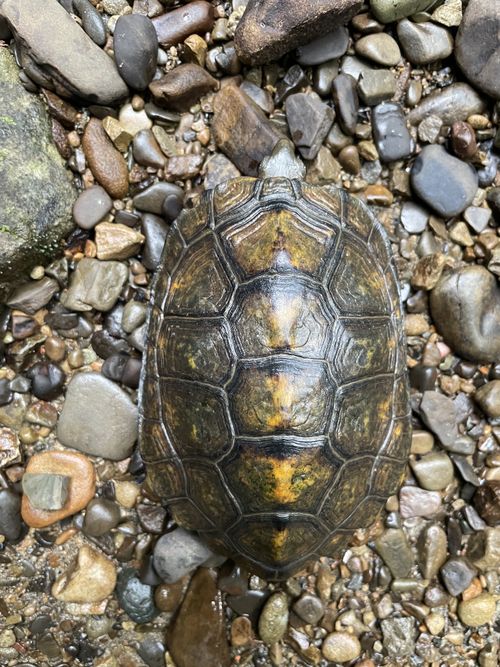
{"x":274,"y":403}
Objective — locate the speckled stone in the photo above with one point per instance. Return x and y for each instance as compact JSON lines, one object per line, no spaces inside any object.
{"x":92,"y":578}
{"x":95,"y":284}
{"x":273,"y":619}
{"x":399,"y":636}
{"x":136,"y":598}
{"x":438,"y":412}
{"x":478,"y":610}
{"x":341,"y":647}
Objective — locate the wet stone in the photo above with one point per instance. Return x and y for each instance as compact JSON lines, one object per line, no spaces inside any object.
{"x":309,"y":608}
{"x":346,"y":102}
{"x":387,"y":11}
{"x":478,"y":610}
{"x":390,"y":133}
{"x":95,"y":284}
{"x":182,"y":87}
{"x":273,"y":619}
{"x":261,"y":97}
{"x":438,"y":413}
{"x":135,"y":45}
{"x":341,"y":647}
{"x":114,"y":241}
{"x":424,"y":43}
{"x":488,"y":398}
{"x":91,"y":579}
{"x":91,"y":207}
{"x":324,"y":76}
{"x":46,"y":491}
{"x":152,"y":651}
{"x":430,"y":129}
{"x":107,"y":163}
{"x":152,"y":199}
{"x":415,"y":502}
{"x":486,"y":501}
{"x":376,"y":86}
{"x":483,"y":549}
{"x":10,"y":514}
{"x":396,"y":552}
{"x":414,"y":217}
{"x":457,"y":574}
{"x":477,"y":218}
{"x":455,"y":102}
{"x":147,"y":151}
{"x":174,"y":26}
{"x":85,"y":418}
{"x":432,"y":546}
{"x":47,"y":380}
{"x":309,"y":120}
{"x":433,"y":471}
{"x":399,"y":636}
{"x":34,"y":295}
{"x":330,"y":46}
{"x":381,"y":48}
{"x":434,"y":164}
{"x":5,"y":392}
{"x":101,"y":515}
{"x":135,"y":598}
{"x":92,"y":21}
{"x":293,"y":81}
{"x":178,"y":553}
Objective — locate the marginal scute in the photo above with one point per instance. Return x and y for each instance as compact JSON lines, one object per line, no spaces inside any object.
{"x":328,"y":198}
{"x":387,"y":476}
{"x":155,"y":442}
{"x":335,"y":544}
{"x":150,"y":404}
{"x":166,"y":479}
{"x":192,"y":221}
{"x":172,"y":251}
{"x":365,"y":514}
{"x":357,"y":218}
{"x":399,"y":441}
{"x":233,"y":193}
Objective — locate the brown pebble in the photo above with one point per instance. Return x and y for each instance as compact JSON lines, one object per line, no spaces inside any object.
{"x":81,"y":488}
{"x":174,"y":26}
{"x":378,"y":195}
{"x":487,"y":502}
{"x":61,"y":139}
{"x":349,"y":159}
{"x":463,"y":140}
{"x":60,"y":109}
{"x":182,"y":87}
{"x":241,"y":631}
{"x":169,"y":596}
{"x":116,"y":241}
{"x":107,"y":164}
{"x":55,"y":348}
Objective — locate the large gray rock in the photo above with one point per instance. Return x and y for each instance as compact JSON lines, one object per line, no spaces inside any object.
{"x":35,"y":190}
{"x":63,"y":51}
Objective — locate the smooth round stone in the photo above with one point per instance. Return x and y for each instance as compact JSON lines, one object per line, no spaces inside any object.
{"x":332,"y":45}
{"x":34,"y":295}
{"x":478,"y":218}
{"x":105,"y":161}
{"x":309,"y":608}
{"x":390,"y":133}
{"x":152,"y":651}
{"x":346,"y":102}
{"x":46,"y":491}
{"x":92,"y":21}
{"x":87,"y":424}
{"x":432,"y":546}
{"x":424,"y":43}
{"x":414,"y":217}
{"x":147,"y":151}
{"x":134,"y":121}
{"x":91,"y":207}
{"x":415,"y":502}
{"x":324,"y":76}
{"x":478,"y":610}
{"x":136,"y":50}
{"x":273,"y":619}
{"x":47,"y":380}
{"x":379,"y":47}
{"x":478,"y":46}
{"x":101,"y":516}
{"x":178,"y":553}
{"x":455,"y":102}
{"x":387,"y":11}
{"x":135,"y":598}
{"x":433,"y":167}
{"x":10,"y":514}
{"x":465,"y":306}
{"x":92,"y":578}
{"x":341,"y":647}
{"x":488,"y":398}
{"x":151,"y":199}
{"x":5,"y":392}
{"x":81,"y":486}
{"x":433,"y":471}
{"x":457,"y":574}
{"x":134,"y":314}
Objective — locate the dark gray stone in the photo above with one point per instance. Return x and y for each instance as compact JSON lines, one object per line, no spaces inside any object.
{"x":457,"y":574}
{"x":32,"y":296}
{"x":136,"y":598}
{"x":92,"y":21}
{"x":151,"y":200}
{"x":346,"y":102}
{"x":136,"y":50}
{"x":101,"y":516}
{"x":330,"y":46}
{"x":390,"y":133}
{"x":438,"y":413}
{"x":91,"y":207}
{"x":155,"y":229}
{"x":309,"y":120}
{"x":10,"y":514}
{"x":424,"y":43}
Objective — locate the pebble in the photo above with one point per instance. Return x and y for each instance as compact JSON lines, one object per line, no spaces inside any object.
{"x":91,"y":207}
{"x":12,"y":414}
{"x":133,"y":121}
{"x":92,"y":21}
{"x":379,"y":47}
{"x":47,"y":380}
{"x":438,"y":413}
{"x":341,"y":647}
{"x":414,"y":217}
{"x":430,"y":129}
{"x":391,"y":136}
{"x":199,"y":627}
{"x":395,"y":550}
{"x":182,"y":87}
{"x":107,"y":164}
{"x":241,"y":130}
{"x":64,"y":51}
{"x":85,"y":417}
{"x":478,"y":47}
{"x":376,"y":86}
{"x":241,"y":631}
{"x":135,"y":46}
{"x":478,"y":610}
{"x":10,"y":514}
{"x":432,"y":547}
{"x":80,"y":488}
{"x":261,"y":97}
{"x":330,"y":46}
{"x":477,"y":218}
{"x":174,"y":26}
{"x":346,"y":102}
{"x":465,"y":307}
{"x":273,"y":619}
{"x":265,"y":32}
{"x":455,"y":102}
{"x":483,"y":549}
{"x":95,"y":284}
{"x":415,"y":502}
{"x":457,"y":574}
{"x":399,"y":636}
{"x":101,"y":515}
{"x":433,"y":471}
{"x":178,"y":553}
{"x":134,"y":314}
{"x":155,"y":230}
{"x":309,"y":120}
{"x":387,"y":11}
{"x":46,"y":491}
{"x":33,"y":296}
{"x":147,"y":151}
{"x":169,"y":596}
{"x":9,"y":447}
{"x":309,"y":608}
{"x":153,"y":199}
{"x":91,"y":579}
{"x":115,"y":241}
{"x":433,"y":165}
{"x":487,"y":502}
{"x":135,"y":598}
{"x":488,"y":398}
{"x":424,"y":43}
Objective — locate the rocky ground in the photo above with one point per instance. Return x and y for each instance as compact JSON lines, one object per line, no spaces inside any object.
{"x":149,"y":103}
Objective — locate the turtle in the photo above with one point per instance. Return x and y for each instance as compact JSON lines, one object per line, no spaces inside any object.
{"x":274,"y":401}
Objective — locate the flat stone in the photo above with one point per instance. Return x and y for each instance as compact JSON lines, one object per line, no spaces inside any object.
{"x":488,"y":398}
{"x":455,"y":102}
{"x":241,"y":130}
{"x":147,"y":151}
{"x":34,"y":295}
{"x":387,"y":11}
{"x":178,"y":553}
{"x":182,"y":87}
{"x":483,"y":549}
{"x":449,"y":13}
{"x":35,"y":217}
{"x":391,"y":136}
{"x":273,"y":619}
{"x":487,"y":502}
{"x":155,"y":230}
{"x":133,"y":121}
{"x":12,"y":414}
{"x":265,"y":32}
{"x":478,"y":46}
{"x":433,"y":165}
{"x":341,"y":647}
{"x":346,"y":102}
{"x":120,"y":137}
{"x":91,"y":207}
{"x":465,"y":306}
{"x":438,"y":413}
{"x":10,"y":514}
{"x":152,"y":199}
{"x":399,"y":636}
{"x":418,"y":502}
{"x":91,"y":578}
{"x":477,"y":218}
{"x":430,"y":129}
{"x":477,"y":611}
{"x":424,"y":43}
{"x":46,"y":491}
{"x":79,"y":491}
{"x":395,"y":551}
{"x":433,"y":471}
{"x":105,"y":161}
{"x":414,"y":218}
{"x":309,"y":120}
{"x":380,"y":47}
{"x":116,"y":241}
{"x":173,"y":26}
{"x":135,"y":45}
{"x":200,"y":627}
{"x":95,"y":284}
{"x":85,"y":418}
{"x":376,"y":86}
{"x":330,"y":46}
{"x":457,"y":574}
{"x":432,"y":546}
{"x":63,"y":50}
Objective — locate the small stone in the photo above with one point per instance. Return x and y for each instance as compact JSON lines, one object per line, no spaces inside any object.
{"x":434,"y":164}
{"x":79,"y":489}
{"x":183,"y":167}
{"x":115,"y":241}
{"x":438,"y":413}
{"x":414,"y":217}
{"x":176,"y":25}
{"x":309,"y":120}
{"x":399,"y":636}
{"x":487,"y":502}
{"x":91,"y":579}
{"x":435,"y":623}
{"x":478,"y":610}
{"x":488,"y":398}
{"x":417,"y":502}
{"x":455,"y":102}
{"x":85,"y":417}
{"x":95,"y":284}
{"x":379,"y":47}
{"x":106,"y":163}
{"x":91,"y":207}
{"x":33,"y":296}
{"x":282,"y":161}
{"x":135,"y":45}
{"x":432,"y":548}
{"x":430,"y":129}
{"x":341,"y":647}
{"x":273,"y":619}
{"x":449,"y":13}
{"x":387,"y":11}
{"x":152,"y":199}
{"x":241,"y":631}
{"x":182,"y":87}
{"x":396,"y":552}
{"x":135,"y":598}
{"x":10,"y":514}
{"x":477,"y":218}
{"x":378,"y":195}
{"x":134,"y":314}
{"x":349,"y":159}
{"x":390,"y":133}
{"x":457,"y":574}
{"x":309,"y":608}
{"x":424,"y":43}
{"x":324,"y":168}
{"x":46,"y":491}
{"x":12,"y":414}
{"x":10,"y":452}
{"x":92,"y":21}
{"x":459,"y":233}
{"x":178,"y":553}
{"x":101,"y":516}
{"x":433,"y":471}
{"x":330,"y":46}
{"x":346,"y":102}
{"x":47,"y":380}
{"x":483,"y":549}
{"x":169,"y":596}
{"x":147,"y":151}
{"x":376,"y":86}
{"x":133,"y":121}
{"x":117,"y":133}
